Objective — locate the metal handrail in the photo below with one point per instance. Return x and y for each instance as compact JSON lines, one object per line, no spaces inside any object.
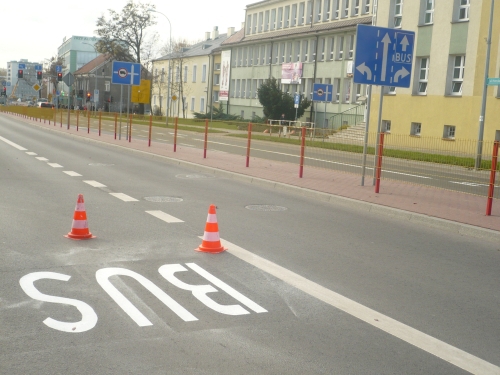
{"x":348,"y":117}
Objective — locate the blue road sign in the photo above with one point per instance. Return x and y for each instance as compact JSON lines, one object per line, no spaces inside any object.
{"x":58,"y":68}
{"x":4,"y":83}
{"x":493,"y":82}
{"x":38,"y":68}
{"x":126,"y":73}
{"x":383,"y":56}
{"x":8,"y":83}
{"x":322,"y":92}
{"x":296,"y":100}
{"x":22,"y":66}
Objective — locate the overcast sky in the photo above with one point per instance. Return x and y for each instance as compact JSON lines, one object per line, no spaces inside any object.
{"x":34,"y":30}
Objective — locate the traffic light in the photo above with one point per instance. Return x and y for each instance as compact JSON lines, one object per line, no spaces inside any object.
{"x":88,"y":96}
{"x":20,"y":73}
{"x":39,"y":75}
{"x":59,"y":77}
{"x":4,"y":91}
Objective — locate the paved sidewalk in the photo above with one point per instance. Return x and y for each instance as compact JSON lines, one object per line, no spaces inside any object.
{"x":459,"y":212}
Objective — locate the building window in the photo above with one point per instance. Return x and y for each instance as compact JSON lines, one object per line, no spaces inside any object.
{"x":366,"y":8}
{"x":245,"y":56}
{"x":282,"y":53}
{"x":243,"y":88}
{"x":336,"y":89}
{"x":297,"y":51}
{"x":216,"y":96}
{"x":391,"y":90}
{"x":242,"y":114}
{"x":192,"y":103}
{"x":463,"y":10}
{"x":309,"y":12}
{"x":386,"y":126}
{"x":266,"y":21}
{"x":358,"y":89}
{"x":287,"y":16}
{"x":261,"y":20}
{"x":398,"y":13}
{"x":262,"y":55}
{"x":457,"y":78}
{"x":326,"y":10}
{"x":337,"y":9}
{"x":313,"y":51}
{"x":107,"y":86}
{"x":185,"y":74}
{"x":289,"y":52}
{"x":231,"y":88}
{"x":217,"y":66}
{"x":346,"y":8}
{"x":347,"y":90}
{"x":317,"y":10}
{"x":321,"y":50}
{"x":428,"y":12}
{"x":293,"y":21}
{"x":355,"y":11}
{"x":331,"y":48}
{"x":350,"y":40}
{"x":204,"y":73}
{"x":254,"y":23}
{"x":280,"y":18}
{"x":249,"y":24}
{"x":273,"y":20}
{"x":305,"y":46}
{"x":423,"y":76}
{"x":216,"y":79}
{"x":449,"y":132}
{"x":416,"y":127}
{"x":301,"y":13}
{"x":194,"y":73}
{"x":340,"y":48}
{"x":202,"y":105}
{"x":275,"y":53}
{"x":238,"y":88}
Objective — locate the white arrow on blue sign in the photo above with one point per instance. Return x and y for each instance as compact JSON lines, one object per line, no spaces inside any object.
{"x":383,"y":56}
{"x":126,"y":73}
{"x":58,"y":68}
{"x":22,"y":66}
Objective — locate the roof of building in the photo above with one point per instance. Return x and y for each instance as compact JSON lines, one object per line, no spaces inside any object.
{"x":298,"y":30}
{"x":203,"y":48}
{"x":93,"y":64}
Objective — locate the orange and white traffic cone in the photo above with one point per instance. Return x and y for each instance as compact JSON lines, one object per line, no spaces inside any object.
{"x":80,"y":226}
{"x":211,"y":240}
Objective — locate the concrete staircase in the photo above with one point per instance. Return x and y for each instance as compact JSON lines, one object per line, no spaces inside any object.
{"x":352,"y":133}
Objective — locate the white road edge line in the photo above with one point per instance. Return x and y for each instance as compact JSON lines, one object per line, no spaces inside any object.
{"x":431,"y":345}
{"x":15,"y":145}
{"x":72,"y":174}
{"x":124,"y":197}
{"x":164,"y":216}
{"x":94,"y":183}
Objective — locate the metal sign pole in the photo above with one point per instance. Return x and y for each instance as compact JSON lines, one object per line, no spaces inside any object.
{"x":69,"y":104}
{"x":121,"y":105}
{"x":367,"y":126}
{"x":379,"y":126}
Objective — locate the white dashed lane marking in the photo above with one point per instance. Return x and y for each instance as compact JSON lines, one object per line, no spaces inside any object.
{"x":72,"y":174}
{"x":94,"y":183}
{"x":165,"y":217}
{"x":15,"y":145}
{"x":41,"y":158}
{"x":55,"y":165}
{"x":31,"y":153}
{"x":124,"y":197}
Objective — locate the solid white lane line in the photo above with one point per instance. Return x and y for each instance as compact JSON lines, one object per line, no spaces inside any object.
{"x":41,"y":158}
{"x":31,"y":153}
{"x":124,"y":197}
{"x":185,"y":144}
{"x":72,"y":174}
{"x":15,"y":145}
{"x":431,"y":345}
{"x":94,"y":183}
{"x":165,"y":217}
{"x":55,"y":165}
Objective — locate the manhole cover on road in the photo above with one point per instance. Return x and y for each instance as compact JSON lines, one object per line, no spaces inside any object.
{"x":163,"y":199}
{"x":193,"y":175}
{"x":265,"y":207}
{"x":100,"y":165}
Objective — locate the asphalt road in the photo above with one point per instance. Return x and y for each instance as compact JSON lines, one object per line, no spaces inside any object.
{"x":304,"y":287}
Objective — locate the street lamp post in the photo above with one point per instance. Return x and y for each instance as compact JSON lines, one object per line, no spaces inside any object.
{"x":170,"y":50}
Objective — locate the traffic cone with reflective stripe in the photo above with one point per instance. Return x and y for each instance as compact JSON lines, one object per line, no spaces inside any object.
{"x":211,"y":240}
{"x":80,"y":226}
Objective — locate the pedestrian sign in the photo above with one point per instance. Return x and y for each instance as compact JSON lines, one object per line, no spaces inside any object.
{"x":383,"y":56}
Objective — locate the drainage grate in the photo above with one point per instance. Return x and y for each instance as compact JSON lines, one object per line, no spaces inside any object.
{"x":265,"y":207}
{"x":194,"y":175}
{"x":100,"y":165}
{"x":163,"y":199}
